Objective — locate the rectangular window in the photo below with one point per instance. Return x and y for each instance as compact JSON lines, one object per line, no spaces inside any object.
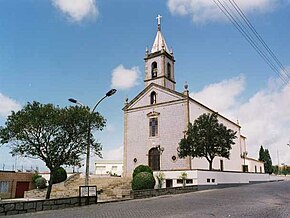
{"x":4,"y":186}
{"x":245,"y":168}
{"x":189,"y":181}
{"x":153,"y":127}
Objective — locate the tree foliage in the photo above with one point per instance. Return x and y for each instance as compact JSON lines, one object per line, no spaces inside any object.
{"x":57,"y":136}
{"x":40,"y":182}
{"x":207,"y":138}
{"x":34,"y":177}
{"x":264,"y":155}
{"x":261,"y":154}
{"x":59,"y":175}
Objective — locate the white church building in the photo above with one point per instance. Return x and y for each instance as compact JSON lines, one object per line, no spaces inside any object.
{"x":156,"y":119}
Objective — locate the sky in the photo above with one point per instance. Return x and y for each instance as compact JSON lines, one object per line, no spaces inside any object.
{"x":58,"y":49}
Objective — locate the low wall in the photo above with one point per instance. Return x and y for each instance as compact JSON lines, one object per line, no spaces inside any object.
{"x":148,"y":193}
{"x":219,"y":177}
{"x":206,"y":177}
{"x":13,"y":208}
{"x":162,"y":191}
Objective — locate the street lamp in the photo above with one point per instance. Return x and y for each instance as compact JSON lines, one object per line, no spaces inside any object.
{"x":108,"y":94}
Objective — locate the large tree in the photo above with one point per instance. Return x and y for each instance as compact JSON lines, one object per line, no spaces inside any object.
{"x":261,"y":154}
{"x":57,"y":136}
{"x":264,"y":155}
{"x":207,"y":138}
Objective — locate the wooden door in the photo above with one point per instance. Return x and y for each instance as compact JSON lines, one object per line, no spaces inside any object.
{"x":154,"y":159}
{"x":21,"y":187}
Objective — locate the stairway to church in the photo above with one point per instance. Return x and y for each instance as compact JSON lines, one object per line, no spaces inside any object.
{"x":113,"y":188}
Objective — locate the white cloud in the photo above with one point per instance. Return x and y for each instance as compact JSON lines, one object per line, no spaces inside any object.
{"x":206,"y":10}
{"x":77,"y":10}
{"x":221,"y":96}
{"x":123,"y":78}
{"x":266,"y":121}
{"x":264,"y":117}
{"x":113,"y":154}
{"x":7,"y":105}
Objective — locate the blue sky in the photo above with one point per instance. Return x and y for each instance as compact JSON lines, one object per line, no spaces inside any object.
{"x":56,"y":49}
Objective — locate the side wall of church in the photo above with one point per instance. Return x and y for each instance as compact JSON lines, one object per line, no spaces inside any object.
{"x":235,"y":161}
{"x":171,"y":124}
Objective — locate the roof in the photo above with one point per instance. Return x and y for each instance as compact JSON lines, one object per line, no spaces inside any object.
{"x":159,"y":43}
{"x":252,"y":159}
{"x":109,"y":162}
{"x":197,"y":102}
{"x":146,"y":89}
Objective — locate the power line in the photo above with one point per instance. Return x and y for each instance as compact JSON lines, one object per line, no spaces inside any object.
{"x":249,"y":24}
{"x":240,"y":26}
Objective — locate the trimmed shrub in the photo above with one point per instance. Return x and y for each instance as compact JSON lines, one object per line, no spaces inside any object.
{"x":59,"y":175}
{"x":40,"y":183}
{"x":143,"y":180}
{"x":142,"y":168}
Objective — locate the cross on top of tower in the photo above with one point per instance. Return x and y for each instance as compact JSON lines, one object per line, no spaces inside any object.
{"x":159,"y":21}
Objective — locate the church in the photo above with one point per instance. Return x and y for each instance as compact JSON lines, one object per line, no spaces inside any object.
{"x":156,"y":119}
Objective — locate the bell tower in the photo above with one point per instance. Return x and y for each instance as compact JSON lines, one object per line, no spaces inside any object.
{"x":159,"y":62}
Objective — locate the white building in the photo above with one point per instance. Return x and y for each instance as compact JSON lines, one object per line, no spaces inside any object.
{"x":109,"y":167}
{"x":155,"y":121}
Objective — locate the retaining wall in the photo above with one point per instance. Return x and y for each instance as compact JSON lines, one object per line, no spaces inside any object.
{"x":12,"y":208}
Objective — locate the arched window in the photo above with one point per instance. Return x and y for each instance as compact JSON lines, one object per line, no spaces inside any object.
{"x":153,"y":98}
{"x":169,"y":70}
{"x":154,"y":159}
{"x":154,"y":69}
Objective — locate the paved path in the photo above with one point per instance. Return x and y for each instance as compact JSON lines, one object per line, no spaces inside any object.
{"x":259,"y":200}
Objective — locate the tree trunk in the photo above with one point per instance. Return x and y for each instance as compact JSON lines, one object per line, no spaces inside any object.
{"x":49,"y":186}
{"x":210,"y":164}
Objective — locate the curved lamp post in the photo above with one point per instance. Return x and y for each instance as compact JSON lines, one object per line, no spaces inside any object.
{"x":108,"y":94}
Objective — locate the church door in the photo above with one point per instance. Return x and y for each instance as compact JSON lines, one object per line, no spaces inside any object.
{"x":154,"y":159}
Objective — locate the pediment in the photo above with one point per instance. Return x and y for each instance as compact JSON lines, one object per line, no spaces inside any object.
{"x":153,"y":114}
{"x":163,"y":95}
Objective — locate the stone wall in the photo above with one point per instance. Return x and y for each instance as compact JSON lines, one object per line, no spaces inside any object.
{"x":163,"y":191}
{"x":40,"y":205}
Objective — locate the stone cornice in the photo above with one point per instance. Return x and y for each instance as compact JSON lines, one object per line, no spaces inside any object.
{"x":156,"y":105}
{"x":159,"y":77}
{"x":159,"y":53}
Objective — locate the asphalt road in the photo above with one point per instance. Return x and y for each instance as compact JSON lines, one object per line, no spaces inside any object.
{"x":258,"y":200}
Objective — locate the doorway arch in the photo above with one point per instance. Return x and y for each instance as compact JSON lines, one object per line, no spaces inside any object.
{"x":154,"y":159}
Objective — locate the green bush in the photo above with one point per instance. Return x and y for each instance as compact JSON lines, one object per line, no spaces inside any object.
{"x":35,"y":177}
{"x":142,"y":168}
{"x":143,"y":180}
{"x":40,"y":183}
{"x":59,"y":176}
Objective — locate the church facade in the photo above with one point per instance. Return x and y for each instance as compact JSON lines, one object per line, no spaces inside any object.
{"x":156,"y":119}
